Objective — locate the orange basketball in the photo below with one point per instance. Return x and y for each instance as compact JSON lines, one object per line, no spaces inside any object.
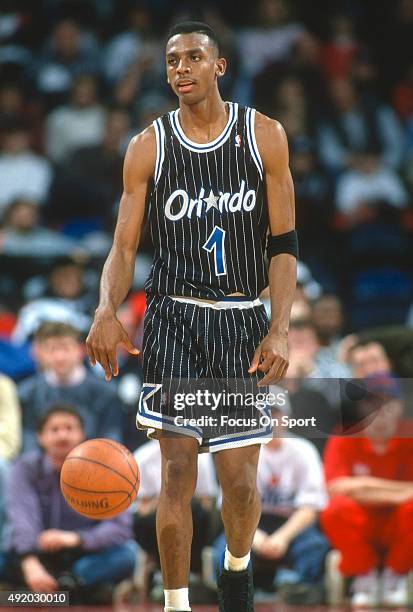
{"x":99,"y":478}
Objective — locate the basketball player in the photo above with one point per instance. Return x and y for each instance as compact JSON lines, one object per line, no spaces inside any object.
{"x":213,"y":180}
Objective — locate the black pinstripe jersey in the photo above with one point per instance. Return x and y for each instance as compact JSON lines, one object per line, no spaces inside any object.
{"x":207,"y":211}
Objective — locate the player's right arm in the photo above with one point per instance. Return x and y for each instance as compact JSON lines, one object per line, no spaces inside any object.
{"x":106,"y":332}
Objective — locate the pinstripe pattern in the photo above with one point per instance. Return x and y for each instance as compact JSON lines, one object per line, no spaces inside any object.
{"x":230,"y":165}
{"x":186,"y":342}
{"x":198,"y":188}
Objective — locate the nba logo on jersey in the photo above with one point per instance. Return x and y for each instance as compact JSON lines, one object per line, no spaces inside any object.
{"x":238,"y":141}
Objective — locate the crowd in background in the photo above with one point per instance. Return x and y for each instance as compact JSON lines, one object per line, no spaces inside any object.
{"x":77,"y":80}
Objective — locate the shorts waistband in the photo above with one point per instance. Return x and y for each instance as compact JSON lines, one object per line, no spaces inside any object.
{"x":219,"y":304}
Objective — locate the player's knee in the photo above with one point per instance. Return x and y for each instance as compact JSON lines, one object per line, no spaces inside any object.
{"x":241,"y":495}
{"x":180,"y":478}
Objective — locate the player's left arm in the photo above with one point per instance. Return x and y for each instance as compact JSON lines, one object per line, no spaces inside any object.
{"x":271,"y":355}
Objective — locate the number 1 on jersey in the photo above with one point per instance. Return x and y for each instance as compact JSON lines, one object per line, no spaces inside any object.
{"x":215,"y":243}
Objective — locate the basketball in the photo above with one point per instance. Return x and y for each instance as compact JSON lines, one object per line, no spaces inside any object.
{"x":99,"y":478}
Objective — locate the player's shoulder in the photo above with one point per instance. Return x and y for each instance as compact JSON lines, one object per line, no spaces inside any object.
{"x":267,"y":126}
{"x":270,"y":136}
{"x":143,"y":140}
{"x":140,"y":156}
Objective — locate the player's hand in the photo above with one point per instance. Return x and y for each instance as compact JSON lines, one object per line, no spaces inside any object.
{"x":275,"y":546}
{"x":37,"y":577}
{"x":52,"y":540}
{"x":105,"y":335}
{"x":271,"y":356}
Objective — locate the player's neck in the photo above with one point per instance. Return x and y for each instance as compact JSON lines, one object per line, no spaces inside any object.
{"x":205,"y":118}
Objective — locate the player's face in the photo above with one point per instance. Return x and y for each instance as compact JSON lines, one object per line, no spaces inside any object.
{"x":192,"y":66}
{"x":61,"y":433}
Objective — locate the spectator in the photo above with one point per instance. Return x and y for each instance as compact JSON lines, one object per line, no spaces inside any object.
{"x":136,"y":45}
{"x":22,"y":172}
{"x":64,"y":378}
{"x":78,"y":124}
{"x":355,"y":127}
{"x":368,"y":360}
{"x":89,"y":184}
{"x":370,"y":482}
{"x":306,"y":357}
{"x":327,"y":316}
{"x":289,"y":549}
{"x":148,"y":458}
{"x":51,"y":546}
{"x":69,"y":53}
{"x":338,"y":53}
{"x":362,"y":190}
{"x":16,"y":104}
{"x":10,"y":435}
{"x":314,"y":380}
{"x":23,"y":236}
{"x":10,"y":421}
{"x":273,"y":40}
{"x":68,"y":294}
{"x":313,"y":195}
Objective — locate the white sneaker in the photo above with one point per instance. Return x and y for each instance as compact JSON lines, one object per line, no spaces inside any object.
{"x":394,"y":589}
{"x":366,"y":590}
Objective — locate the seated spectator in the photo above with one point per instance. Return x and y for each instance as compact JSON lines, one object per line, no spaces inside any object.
{"x":89,"y":184}
{"x":327,"y":316}
{"x":366,"y":188}
{"x":308,"y":359}
{"x":68,"y":53}
{"x":10,"y":435}
{"x":338,"y":52}
{"x":348,"y":133}
{"x":64,"y":378}
{"x":314,"y":378}
{"x":368,"y":359}
{"x":16,"y":103}
{"x":312,"y":189}
{"x":370,"y":482}
{"x":50,"y":546}
{"x":276,"y":38}
{"x":80,"y":123}
{"x":136,"y":45}
{"x":23,"y":236}
{"x":292,"y":108}
{"x":23,"y":174}
{"x":68,"y":294}
{"x":148,"y":458}
{"x":288,"y":548}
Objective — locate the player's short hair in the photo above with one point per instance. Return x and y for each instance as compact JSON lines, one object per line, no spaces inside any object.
{"x":190,"y":27}
{"x":55,"y":329}
{"x":58,"y":409}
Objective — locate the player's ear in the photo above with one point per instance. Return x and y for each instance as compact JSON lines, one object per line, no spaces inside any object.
{"x":220,"y":66}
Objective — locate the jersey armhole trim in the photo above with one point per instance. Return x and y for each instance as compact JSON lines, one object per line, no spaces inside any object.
{"x":160,"y":148}
{"x":250,"y":123}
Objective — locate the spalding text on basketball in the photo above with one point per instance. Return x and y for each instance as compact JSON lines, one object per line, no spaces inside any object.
{"x":89,"y":503}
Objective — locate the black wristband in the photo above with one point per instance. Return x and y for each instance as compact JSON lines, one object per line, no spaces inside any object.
{"x":283,"y":243}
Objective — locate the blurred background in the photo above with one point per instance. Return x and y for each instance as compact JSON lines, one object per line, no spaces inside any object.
{"x":78,"y":78}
